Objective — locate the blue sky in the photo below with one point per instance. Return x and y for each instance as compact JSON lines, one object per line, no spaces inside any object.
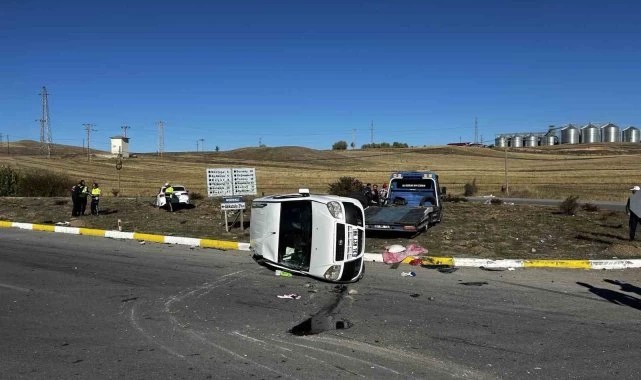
{"x":309,"y":73}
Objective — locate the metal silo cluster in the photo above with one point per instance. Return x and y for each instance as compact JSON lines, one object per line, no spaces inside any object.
{"x":570,"y":134}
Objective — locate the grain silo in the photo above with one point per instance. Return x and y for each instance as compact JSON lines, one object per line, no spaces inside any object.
{"x":590,"y":134}
{"x":548,"y":139}
{"x":631,"y":134}
{"x":531,"y":141}
{"x":570,"y":135}
{"x":517,"y":141}
{"x":610,"y":133}
{"x":500,"y":141}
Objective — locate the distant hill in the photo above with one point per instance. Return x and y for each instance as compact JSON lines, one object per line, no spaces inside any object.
{"x":33,"y":148}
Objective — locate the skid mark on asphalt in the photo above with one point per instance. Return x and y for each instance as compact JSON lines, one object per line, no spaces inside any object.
{"x":12,"y":287}
{"x":159,"y":334}
{"x":204,"y":340}
{"x":152,"y":339}
{"x":334,"y":353}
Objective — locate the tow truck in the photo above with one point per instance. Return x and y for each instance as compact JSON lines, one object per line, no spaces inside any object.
{"x":322,"y":236}
{"x":413,"y":204}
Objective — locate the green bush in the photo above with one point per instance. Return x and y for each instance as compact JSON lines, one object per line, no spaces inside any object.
{"x":339,"y":145}
{"x":569,"y":205}
{"x":43,"y":183}
{"x":470,"y":188}
{"x":346,"y":186}
{"x":8,"y":181}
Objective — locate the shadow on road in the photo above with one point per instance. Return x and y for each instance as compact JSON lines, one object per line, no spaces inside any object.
{"x":625,"y":286}
{"x":614,"y":296}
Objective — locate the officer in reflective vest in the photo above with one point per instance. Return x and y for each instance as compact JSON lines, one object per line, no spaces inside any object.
{"x":169,"y":192}
{"x":95,"y":198}
{"x":82,"y":197}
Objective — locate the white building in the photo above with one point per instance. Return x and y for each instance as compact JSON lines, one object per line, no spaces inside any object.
{"x":120,"y":145}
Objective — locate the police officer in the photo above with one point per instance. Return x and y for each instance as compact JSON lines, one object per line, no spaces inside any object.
{"x":634,"y":219}
{"x":169,"y":192}
{"x":83,"y":192}
{"x":95,"y":198}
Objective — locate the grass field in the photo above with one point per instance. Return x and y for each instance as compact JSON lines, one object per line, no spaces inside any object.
{"x":468,"y":229}
{"x":593,"y":172}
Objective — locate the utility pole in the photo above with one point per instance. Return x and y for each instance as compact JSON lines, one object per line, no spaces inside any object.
{"x":202,"y":145}
{"x":124,"y":130}
{"x":371,"y":129}
{"x":161,"y":137}
{"x":45,"y":124}
{"x":507,"y":184}
{"x":260,"y":142}
{"x":476,"y":131}
{"x":89,"y":129}
{"x":197,"y":142}
{"x":8,"y":151}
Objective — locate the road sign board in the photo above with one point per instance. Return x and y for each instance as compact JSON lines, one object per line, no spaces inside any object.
{"x":231,"y":181}
{"x":232,"y":203}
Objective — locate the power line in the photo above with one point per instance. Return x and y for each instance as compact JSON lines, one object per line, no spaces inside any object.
{"x":161,"y":137}
{"x":476,"y":130}
{"x":123,"y":129}
{"x":89,"y":129}
{"x":371,"y":129}
{"x":45,"y":124}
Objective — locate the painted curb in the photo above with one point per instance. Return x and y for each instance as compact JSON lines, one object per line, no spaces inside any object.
{"x":192,"y":242}
{"x":510,"y":263}
{"x":375,"y":257}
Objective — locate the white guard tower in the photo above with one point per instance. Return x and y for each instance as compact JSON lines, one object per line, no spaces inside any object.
{"x":120,"y":145}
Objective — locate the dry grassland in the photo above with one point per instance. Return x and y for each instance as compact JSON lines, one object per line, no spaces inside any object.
{"x":594,"y":172}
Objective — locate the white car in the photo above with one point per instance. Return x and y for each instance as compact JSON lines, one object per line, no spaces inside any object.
{"x":179,"y":197}
{"x":322,"y":236}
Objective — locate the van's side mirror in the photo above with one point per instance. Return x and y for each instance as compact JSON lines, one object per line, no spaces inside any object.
{"x":443,"y":190}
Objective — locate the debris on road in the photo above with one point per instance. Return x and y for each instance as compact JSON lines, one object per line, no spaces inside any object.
{"x":282,"y":273}
{"x":396,"y":253}
{"x":474,"y":283}
{"x":408,"y":274}
{"x":292,"y":296}
{"x":447,"y":269}
{"x":492,"y":269}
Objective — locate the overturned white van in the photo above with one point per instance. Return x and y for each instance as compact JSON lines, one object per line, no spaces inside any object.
{"x":322,"y":236}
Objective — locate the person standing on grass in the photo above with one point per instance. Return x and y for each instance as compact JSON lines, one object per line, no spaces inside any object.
{"x":169,"y":192}
{"x":95,"y":198}
{"x":634,"y":219}
{"x":74,"y":199}
{"x":82,"y":197}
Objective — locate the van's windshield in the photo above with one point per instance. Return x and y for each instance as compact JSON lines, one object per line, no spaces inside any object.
{"x":411,"y":191}
{"x":295,"y":239}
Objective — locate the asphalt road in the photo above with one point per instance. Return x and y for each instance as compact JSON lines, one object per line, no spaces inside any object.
{"x":86,"y":307}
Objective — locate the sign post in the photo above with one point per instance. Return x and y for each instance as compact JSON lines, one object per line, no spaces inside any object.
{"x":230,"y":184}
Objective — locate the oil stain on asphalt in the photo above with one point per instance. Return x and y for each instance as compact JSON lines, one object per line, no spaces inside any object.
{"x":325,"y":319}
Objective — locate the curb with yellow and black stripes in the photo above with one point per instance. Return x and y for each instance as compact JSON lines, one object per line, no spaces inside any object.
{"x":375,"y":257}
{"x":193,"y":242}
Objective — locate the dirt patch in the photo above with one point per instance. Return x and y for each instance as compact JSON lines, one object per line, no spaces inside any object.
{"x":467,"y":230}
